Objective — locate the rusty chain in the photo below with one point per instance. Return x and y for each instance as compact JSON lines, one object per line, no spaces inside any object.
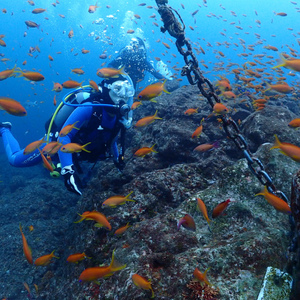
{"x":194,"y":75}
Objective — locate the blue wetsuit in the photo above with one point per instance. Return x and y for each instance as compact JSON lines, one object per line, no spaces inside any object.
{"x":95,"y":125}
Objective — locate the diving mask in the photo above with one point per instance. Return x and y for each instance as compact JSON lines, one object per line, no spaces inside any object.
{"x":120,"y":90}
{"x":134,"y":43}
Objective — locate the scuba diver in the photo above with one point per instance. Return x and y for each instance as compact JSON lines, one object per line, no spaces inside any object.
{"x":134,"y":58}
{"x":100,"y":118}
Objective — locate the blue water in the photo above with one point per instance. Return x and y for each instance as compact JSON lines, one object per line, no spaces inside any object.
{"x":52,"y":37}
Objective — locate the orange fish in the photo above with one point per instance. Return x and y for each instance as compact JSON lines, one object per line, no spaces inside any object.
{"x":54,"y":100}
{"x":229,"y":95}
{"x":67,"y":129}
{"x":55,"y":149}
{"x":224,"y":84}
{"x":295,"y":123}
{"x":74,"y":147}
{"x":77,"y":71}
{"x":92,"y":274}
{"x":147,"y":120}
{"x":50,"y":147}
{"x":12,"y":106}
{"x":191,"y":111}
{"x":33,"y":146}
{"x":166,"y":45}
{"x":7,"y":73}
{"x":280,"y":87}
{"x":110,"y":72}
{"x":70,"y":84}
{"x":96,"y":216}
{"x":142,"y":152}
{"x":271,"y":48}
{"x":293,"y":64}
{"x":38,"y":10}
{"x":130,"y":31}
{"x":45,"y":259}
{"x":282,"y":14}
{"x":117,"y":200}
{"x":57,"y":87}
{"x":206,"y":147}
{"x":26,"y":248}
{"x":199,"y":276}
{"x":136,"y":104}
{"x":75,"y":258}
{"x":94,"y":85}
{"x":275,"y":201}
{"x":32,"y":24}
{"x":28,"y":290}
{"x":122,"y":229}
{"x":197,"y":132}
{"x":219,"y":209}
{"x":2,"y":43}
{"x":47,"y":165}
{"x":201,"y":207}
{"x":142,"y":283}
{"x":260,"y":101}
{"x":71,"y":34}
{"x":31,"y":228}
{"x":187,"y":222}
{"x":287,"y":149}
{"x":92,"y":8}
{"x":220,"y":109}
{"x":152,"y":91}
{"x":33,"y":76}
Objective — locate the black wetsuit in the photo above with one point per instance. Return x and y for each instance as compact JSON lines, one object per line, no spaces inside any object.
{"x":135,"y":65}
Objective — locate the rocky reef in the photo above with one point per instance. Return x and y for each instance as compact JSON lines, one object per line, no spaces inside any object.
{"x":237,"y":246}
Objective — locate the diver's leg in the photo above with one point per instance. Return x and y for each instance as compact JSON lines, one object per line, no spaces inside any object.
{"x":12,"y":148}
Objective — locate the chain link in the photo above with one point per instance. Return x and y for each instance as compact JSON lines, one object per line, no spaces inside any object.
{"x":194,"y":75}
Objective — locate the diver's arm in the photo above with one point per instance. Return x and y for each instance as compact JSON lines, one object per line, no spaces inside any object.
{"x":119,"y":60}
{"x":152,"y":71}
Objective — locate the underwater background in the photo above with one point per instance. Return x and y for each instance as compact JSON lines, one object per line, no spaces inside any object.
{"x":237,"y":247}
{"x":57,"y":21}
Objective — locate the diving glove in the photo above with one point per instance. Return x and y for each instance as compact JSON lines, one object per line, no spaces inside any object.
{"x":126,"y":122}
{"x":72,"y":181}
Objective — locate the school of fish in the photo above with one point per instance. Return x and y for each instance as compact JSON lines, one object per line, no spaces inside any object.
{"x":267,"y":74}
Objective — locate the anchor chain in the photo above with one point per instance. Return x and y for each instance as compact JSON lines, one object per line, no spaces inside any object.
{"x":194,"y":75}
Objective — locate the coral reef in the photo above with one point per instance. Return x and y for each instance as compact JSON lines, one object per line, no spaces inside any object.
{"x":238,"y":246}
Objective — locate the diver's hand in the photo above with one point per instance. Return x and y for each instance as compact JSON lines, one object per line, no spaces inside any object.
{"x":120,"y":164}
{"x":72,"y":181}
{"x":126,"y":122}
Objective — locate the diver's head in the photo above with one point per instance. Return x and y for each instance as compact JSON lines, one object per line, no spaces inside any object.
{"x":137,"y":45}
{"x":134,"y":43}
{"x":117,"y":91}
